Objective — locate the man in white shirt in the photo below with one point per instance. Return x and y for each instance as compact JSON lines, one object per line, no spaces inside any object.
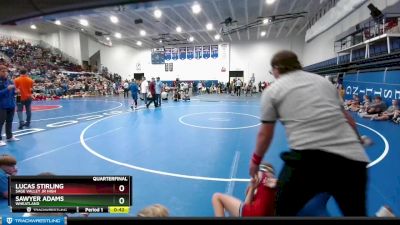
{"x":126,"y":89}
{"x":238,"y":86}
{"x":143,"y":89}
{"x":326,"y":153}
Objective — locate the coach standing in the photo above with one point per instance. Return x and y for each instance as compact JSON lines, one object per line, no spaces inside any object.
{"x":24,"y":85}
{"x":326,"y":152}
{"x":7,"y":105}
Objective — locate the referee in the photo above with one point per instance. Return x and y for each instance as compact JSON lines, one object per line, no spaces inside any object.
{"x":326,"y":152}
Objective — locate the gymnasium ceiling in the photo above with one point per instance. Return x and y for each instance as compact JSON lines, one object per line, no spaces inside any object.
{"x":174,"y":13}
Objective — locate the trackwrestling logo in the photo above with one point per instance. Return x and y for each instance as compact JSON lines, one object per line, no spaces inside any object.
{"x":36,"y":220}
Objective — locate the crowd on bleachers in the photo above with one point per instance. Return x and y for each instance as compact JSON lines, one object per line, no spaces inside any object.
{"x":48,"y":70}
{"x":34,"y":57}
{"x":234,"y":87}
{"x":52,"y":82}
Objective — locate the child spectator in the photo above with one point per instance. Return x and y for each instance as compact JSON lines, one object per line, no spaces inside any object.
{"x":7,"y":168}
{"x":389,"y":113}
{"x":365,"y":104}
{"x":396,"y":117}
{"x":355,"y":105}
{"x":377,"y":107}
{"x":156,"y":210}
{"x":348,"y":103}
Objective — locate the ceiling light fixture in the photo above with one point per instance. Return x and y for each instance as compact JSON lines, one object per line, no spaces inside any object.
{"x":217,"y":37}
{"x":33,"y":27}
{"x":179,"y":29}
{"x":196,"y":8}
{"x":157,"y":13}
{"x":263,"y":33}
{"x":118,"y":35}
{"x":142,"y":33}
{"x":58,"y":22}
{"x":139,"y":43}
{"x":84,"y":22}
{"x":209,"y":26}
{"x":191,"y":39}
{"x":266,"y":21}
{"x":107,"y":38}
{"x":114,"y":19}
{"x":269,"y":2}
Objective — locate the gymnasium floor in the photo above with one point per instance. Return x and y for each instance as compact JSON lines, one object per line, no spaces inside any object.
{"x":179,"y":154}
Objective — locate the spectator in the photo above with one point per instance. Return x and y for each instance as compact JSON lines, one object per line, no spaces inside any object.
{"x":388,"y":114}
{"x":199,"y":88}
{"x":377,"y":107}
{"x":396,"y":117}
{"x":248,"y":89}
{"x":134,"y":92}
{"x":7,"y":105}
{"x":385,"y":211}
{"x":164,"y":95}
{"x":7,"y":168}
{"x":259,"y":201}
{"x":365,"y":104}
{"x":152,"y":93}
{"x":348,"y":103}
{"x":355,"y":105}
{"x":238,"y":85}
{"x":126,"y":89}
{"x":24,"y":85}
{"x":156,"y":210}
{"x":143,"y":89}
{"x":342,"y":92}
{"x":159,"y":88}
{"x":233,"y":84}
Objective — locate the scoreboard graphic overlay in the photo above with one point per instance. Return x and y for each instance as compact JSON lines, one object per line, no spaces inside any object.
{"x":70,"y":194}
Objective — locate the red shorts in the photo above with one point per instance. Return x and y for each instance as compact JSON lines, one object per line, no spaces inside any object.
{"x":247,"y":210}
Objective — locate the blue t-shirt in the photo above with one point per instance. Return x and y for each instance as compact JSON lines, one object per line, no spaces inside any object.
{"x":3,"y":182}
{"x":134,"y":89}
{"x":159,"y":86}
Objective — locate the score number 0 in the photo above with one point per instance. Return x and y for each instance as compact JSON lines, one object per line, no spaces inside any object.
{"x":121,"y":200}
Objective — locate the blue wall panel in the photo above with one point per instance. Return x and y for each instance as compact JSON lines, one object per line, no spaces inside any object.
{"x":372,"y":84}
{"x":350,"y":77}
{"x":393,"y":77}
{"x":376,"y":77}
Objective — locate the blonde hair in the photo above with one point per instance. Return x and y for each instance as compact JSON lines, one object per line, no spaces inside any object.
{"x":156,"y":210}
{"x":267,"y":167}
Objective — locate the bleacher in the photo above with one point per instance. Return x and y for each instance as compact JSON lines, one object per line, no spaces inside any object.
{"x":365,"y":46}
{"x":379,"y":57}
